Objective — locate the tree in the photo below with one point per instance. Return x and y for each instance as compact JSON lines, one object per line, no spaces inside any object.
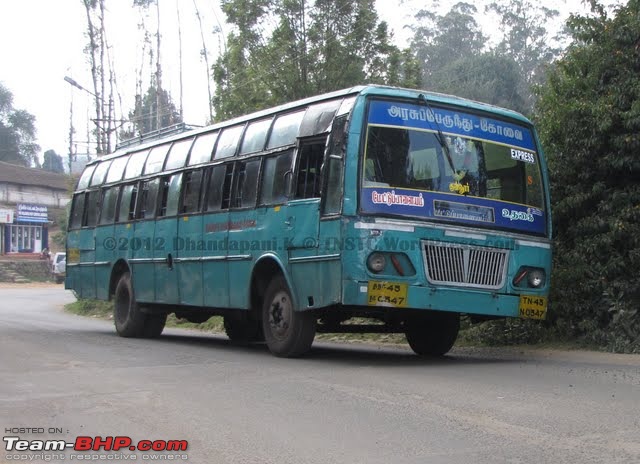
{"x":589,"y":119}
{"x":102,"y":74}
{"x":147,"y":116}
{"x":282,"y":50}
{"x":526,"y":40}
{"x":450,"y":51}
{"x":488,"y":77}
{"x":440,"y":40}
{"x":53,"y":162}
{"x":17,"y":132}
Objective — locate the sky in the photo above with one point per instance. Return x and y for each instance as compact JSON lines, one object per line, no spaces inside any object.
{"x":42,"y":41}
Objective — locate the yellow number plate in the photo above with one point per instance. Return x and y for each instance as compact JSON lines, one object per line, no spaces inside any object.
{"x":533,"y":307}
{"x":387,"y":294}
{"x":73,"y":255}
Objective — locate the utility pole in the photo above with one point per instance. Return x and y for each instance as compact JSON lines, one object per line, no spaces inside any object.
{"x":71,"y":131}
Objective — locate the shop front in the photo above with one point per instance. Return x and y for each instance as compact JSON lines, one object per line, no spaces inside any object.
{"x":28,"y":232}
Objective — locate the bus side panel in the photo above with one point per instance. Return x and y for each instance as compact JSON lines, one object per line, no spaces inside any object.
{"x":166,"y":279}
{"x":73,"y":271}
{"x":105,"y":258}
{"x":318,"y":283}
{"x":142,"y":249}
{"x":215,"y":269}
{"x":243,"y":231}
{"x":189,"y":268}
{"x":86,"y":243}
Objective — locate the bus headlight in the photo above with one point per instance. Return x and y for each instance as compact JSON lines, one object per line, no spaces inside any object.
{"x":530,"y":277}
{"x":536,"y":278}
{"x":376,"y":262}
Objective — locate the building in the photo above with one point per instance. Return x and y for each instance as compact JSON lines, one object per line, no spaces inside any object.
{"x":27,"y":198}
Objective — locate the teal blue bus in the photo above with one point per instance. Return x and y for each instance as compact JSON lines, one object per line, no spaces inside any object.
{"x":370,"y":209}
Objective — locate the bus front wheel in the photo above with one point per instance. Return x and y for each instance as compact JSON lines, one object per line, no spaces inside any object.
{"x":242,"y":327}
{"x":129,"y":319}
{"x":433,"y":334}
{"x":288,"y":333}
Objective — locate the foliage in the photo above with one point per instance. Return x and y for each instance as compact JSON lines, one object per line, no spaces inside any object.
{"x":589,"y":119}
{"x":17,"y":132}
{"x":487,"y":77}
{"x":53,"y":162}
{"x":454,"y":54}
{"x":441,"y":40}
{"x":152,"y":111}
{"x":526,"y":40}
{"x":283,"y":50}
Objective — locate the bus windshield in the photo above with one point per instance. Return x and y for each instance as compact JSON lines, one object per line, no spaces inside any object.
{"x":451,"y":171}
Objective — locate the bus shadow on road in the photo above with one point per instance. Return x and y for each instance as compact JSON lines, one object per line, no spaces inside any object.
{"x":353,"y":354}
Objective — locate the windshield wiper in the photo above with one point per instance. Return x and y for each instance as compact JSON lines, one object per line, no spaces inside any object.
{"x":439,"y":135}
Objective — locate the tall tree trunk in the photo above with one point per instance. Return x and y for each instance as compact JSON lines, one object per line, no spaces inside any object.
{"x":180,"y":58}
{"x":205,"y":55}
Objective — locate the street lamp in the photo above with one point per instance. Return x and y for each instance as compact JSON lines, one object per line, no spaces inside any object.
{"x":75,"y":84}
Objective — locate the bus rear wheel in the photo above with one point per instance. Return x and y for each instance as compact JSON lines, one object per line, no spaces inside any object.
{"x":433,"y":334}
{"x":130,"y":320}
{"x":288,"y":333}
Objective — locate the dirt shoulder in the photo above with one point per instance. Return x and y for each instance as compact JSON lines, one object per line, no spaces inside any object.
{"x":30,"y":285}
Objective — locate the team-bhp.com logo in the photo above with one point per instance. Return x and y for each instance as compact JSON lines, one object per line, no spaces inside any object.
{"x":117,"y":443}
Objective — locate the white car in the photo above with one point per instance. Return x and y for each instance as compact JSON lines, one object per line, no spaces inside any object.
{"x":59,"y":267}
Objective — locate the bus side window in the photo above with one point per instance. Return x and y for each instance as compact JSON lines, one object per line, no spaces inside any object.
{"x":92,"y":208}
{"x":245,"y":184}
{"x":274,"y":179}
{"x":169,"y":195}
{"x":308,"y":181}
{"x":216,"y":186}
{"x":191,"y":189}
{"x":148,"y":195}
{"x":109,"y":204}
{"x":77,"y":212}
{"x":128,"y":203}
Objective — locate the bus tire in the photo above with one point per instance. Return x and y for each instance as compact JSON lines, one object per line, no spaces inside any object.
{"x":241,"y":327}
{"x":154,"y":325}
{"x":433,"y":335}
{"x":129,"y":319}
{"x":288,"y":333}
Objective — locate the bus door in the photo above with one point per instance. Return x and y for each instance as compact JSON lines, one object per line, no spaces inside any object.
{"x":190,"y":245}
{"x":87,"y":244}
{"x":302,"y":219}
{"x":243,"y":227}
{"x":106,"y":245}
{"x":166,"y":241}
{"x":331,"y":242}
{"x":215,"y":269}
{"x":143,"y":241}
{"x":80,"y":247}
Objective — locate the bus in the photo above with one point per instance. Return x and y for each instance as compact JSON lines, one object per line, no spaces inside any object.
{"x":370,"y":209}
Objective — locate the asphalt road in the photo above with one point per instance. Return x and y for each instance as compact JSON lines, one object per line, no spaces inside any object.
{"x":341,"y":404}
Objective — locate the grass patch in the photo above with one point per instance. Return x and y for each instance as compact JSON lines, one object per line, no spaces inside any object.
{"x":92,"y":308}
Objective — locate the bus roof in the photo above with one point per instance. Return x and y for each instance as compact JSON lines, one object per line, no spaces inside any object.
{"x":368,"y":90}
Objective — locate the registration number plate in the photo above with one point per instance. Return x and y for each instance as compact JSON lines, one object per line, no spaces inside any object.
{"x":387,"y":294}
{"x":533,"y":307}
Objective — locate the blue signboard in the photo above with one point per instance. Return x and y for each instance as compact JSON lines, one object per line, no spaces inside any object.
{"x":451,"y":207}
{"x":32,"y":213}
{"x":451,"y":122}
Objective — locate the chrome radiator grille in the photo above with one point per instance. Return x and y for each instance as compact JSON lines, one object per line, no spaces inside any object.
{"x":463,"y":265}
